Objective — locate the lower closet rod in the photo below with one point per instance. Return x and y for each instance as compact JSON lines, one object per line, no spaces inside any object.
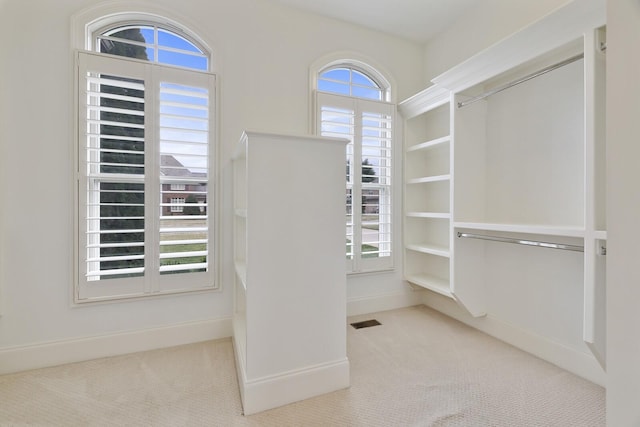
{"x":562,"y":246}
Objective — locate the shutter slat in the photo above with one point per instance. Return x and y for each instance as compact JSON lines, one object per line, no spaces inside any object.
{"x":183,"y":267}
{"x":113,"y":96}
{"x":170,"y":255}
{"x":169,"y":90}
{"x":198,"y":107}
{"x":101,"y":109}
{"x":120,"y":231}
{"x":114,"y":124}
{"x":119,"y":271}
{"x":184,"y":242}
{"x":116,"y":258}
{"x":125,"y":83}
{"x":116,"y":245}
{"x":183,"y":229}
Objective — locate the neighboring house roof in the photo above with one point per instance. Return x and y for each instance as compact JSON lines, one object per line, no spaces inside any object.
{"x":170,"y":166}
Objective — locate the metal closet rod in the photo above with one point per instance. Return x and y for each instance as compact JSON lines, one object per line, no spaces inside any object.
{"x":521,"y":80}
{"x":562,"y":246}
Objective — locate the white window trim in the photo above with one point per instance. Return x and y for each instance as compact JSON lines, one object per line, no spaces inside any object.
{"x":380,"y":75}
{"x":348,"y":58}
{"x":357,"y":264}
{"x":153,"y":283}
{"x":96,"y":32}
{"x":88,"y":21}
{"x":83,"y":25}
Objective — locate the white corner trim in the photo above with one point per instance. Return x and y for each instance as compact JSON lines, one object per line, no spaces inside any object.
{"x":383,"y":302}
{"x":582,"y":364}
{"x":34,"y":356}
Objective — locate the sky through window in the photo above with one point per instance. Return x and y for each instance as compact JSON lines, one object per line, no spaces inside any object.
{"x":159,"y":45}
{"x":349,"y":82}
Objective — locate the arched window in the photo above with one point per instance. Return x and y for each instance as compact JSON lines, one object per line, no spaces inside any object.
{"x":351,"y":102}
{"x":345,"y":80}
{"x":151,"y":43}
{"x":146,"y":209}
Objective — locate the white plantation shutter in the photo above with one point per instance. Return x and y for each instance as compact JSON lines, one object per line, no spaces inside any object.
{"x":376,"y":157}
{"x":113,"y":106}
{"x":144,"y":138}
{"x":115,"y":167}
{"x":184,"y":144}
{"x":340,"y":122}
{"x":368,"y":125}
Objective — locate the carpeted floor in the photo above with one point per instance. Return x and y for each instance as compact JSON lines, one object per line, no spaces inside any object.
{"x":419,"y":368}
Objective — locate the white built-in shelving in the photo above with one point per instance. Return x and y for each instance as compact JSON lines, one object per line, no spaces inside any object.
{"x":427,"y":189}
{"x":524,"y":163}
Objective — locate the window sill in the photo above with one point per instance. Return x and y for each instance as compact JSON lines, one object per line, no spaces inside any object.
{"x":371,"y":272}
{"x":91,"y":302}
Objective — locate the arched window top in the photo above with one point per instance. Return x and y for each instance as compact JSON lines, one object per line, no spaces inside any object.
{"x":353,"y":80}
{"x":151,"y":42}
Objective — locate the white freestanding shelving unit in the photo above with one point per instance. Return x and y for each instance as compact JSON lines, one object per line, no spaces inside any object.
{"x":290,"y":288}
{"x":523,"y":164}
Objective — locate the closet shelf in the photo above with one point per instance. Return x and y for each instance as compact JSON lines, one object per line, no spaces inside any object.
{"x":443,"y":215}
{"x":431,"y":283}
{"x":429,"y":144}
{"x":548,"y":230}
{"x":427,"y":179}
{"x":424,"y":101}
{"x":428,"y":248}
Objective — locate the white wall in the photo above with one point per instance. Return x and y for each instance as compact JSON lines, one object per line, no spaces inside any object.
{"x":487,"y":23}
{"x":623,"y":212}
{"x":262,"y":52}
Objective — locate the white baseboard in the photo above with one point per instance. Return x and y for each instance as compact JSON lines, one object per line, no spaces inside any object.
{"x":383,"y":302}
{"x":582,"y":364}
{"x":288,"y":387}
{"x":43,"y":355}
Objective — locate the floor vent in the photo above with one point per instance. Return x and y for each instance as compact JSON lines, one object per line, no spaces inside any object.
{"x":366,"y":324}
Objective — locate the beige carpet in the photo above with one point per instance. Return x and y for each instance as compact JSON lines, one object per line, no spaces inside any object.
{"x":419,"y":368}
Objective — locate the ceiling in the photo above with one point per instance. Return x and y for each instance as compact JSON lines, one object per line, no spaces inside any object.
{"x":416,"y":20}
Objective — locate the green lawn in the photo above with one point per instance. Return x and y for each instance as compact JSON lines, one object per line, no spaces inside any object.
{"x":364,"y":249}
{"x":183,"y":248}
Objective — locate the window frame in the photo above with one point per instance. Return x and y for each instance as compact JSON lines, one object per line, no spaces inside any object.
{"x":357,"y":264}
{"x":161,"y":284}
{"x":98,"y":31}
{"x":351,"y":84}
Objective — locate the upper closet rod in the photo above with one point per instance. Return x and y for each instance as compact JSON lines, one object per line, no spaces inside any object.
{"x":521,"y":80}
{"x":524,"y":242}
